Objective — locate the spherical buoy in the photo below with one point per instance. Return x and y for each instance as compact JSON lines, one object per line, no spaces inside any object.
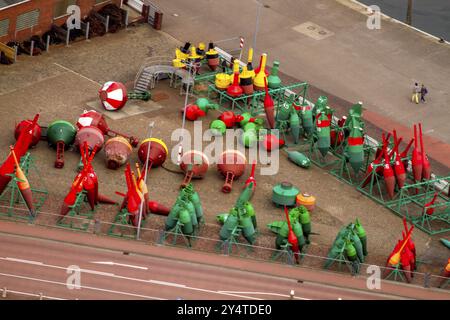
{"x":158,"y":152}
{"x":113,"y":96}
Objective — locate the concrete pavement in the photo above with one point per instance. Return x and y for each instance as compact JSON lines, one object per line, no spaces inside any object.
{"x":350,"y":61}
{"x":36,"y":259}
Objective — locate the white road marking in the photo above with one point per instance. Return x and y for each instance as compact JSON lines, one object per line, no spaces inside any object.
{"x":34,"y":295}
{"x":265,"y":293}
{"x":110,"y":263}
{"x":24,"y":261}
{"x":151,"y":281}
{"x":83,"y":287}
{"x":78,"y":74}
{"x":170,"y":284}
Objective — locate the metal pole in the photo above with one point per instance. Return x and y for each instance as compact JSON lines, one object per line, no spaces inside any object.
{"x":409,"y":12}
{"x":256,"y":25}
{"x":32,"y":48}
{"x":47,"y":46}
{"x":87,"y":30}
{"x":180,"y":148}
{"x":4,"y":292}
{"x":107,"y":23}
{"x":16,"y":49}
{"x":151,"y":125}
{"x":126,"y":20}
{"x":67,"y":37}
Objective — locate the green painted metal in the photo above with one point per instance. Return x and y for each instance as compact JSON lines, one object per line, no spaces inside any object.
{"x":273,"y":80}
{"x":80,"y":215}
{"x":61,"y":130}
{"x":12,"y":203}
{"x":284,"y":194}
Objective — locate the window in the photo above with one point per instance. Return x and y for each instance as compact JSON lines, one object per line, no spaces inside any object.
{"x":61,"y":7}
{"x":4,"y":26}
{"x":27,"y":20}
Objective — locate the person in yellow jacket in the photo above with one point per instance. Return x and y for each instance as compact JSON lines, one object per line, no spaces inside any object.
{"x":416,"y":93}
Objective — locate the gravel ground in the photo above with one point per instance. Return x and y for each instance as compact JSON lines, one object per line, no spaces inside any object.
{"x":40,"y":84}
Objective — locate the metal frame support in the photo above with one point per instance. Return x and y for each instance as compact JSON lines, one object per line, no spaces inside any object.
{"x":32,"y":48}
{"x":88,"y":25}
{"x":67,"y":37}
{"x":107,"y":23}
{"x":47,"y":45}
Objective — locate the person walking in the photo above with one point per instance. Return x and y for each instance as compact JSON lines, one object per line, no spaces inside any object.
{"x":415,"y":95}
{"x":423,"y":93}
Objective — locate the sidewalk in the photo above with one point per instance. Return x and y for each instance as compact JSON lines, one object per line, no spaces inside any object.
{"x":141,"y":248}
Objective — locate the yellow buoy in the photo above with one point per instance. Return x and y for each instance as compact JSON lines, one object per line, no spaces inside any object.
{"x":258,"y":81}
{"x":223,"y":80}
{"x":306,"y":200}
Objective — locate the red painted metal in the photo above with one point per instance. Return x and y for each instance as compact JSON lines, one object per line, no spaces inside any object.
{"x":426,"y":168}
{"x":417,"y":163}
{"x":399,"y":169}
{"x":269,"y":107}
{"x":271,"y":142}
{"x":429,"y":211}
{"x":230,"y":119}
{"x":193,"y":112}
{"x":158,"y":208}
{"x":388,"y":174}
{"x":20,"y":147}
{"x":251,"y":178}
{"x":292,"y":238}
{"x":194,"y":164}
{"x":231,"y":165}
{"x":96,"y":119}
{"x":23,"y":125}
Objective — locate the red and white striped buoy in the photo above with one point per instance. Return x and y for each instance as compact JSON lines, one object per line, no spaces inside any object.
{"x":113,"y":95}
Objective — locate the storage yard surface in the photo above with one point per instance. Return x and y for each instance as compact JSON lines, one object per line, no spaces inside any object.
{"x":59,"y":85}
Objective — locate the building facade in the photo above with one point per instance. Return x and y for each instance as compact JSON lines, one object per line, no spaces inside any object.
{"x":21,"y":19}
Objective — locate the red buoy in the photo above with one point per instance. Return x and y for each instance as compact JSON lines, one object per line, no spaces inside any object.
{"x":417,"y":163}
{"x":388,"y":174}
{"x":426,"y":168}
{"x":23,"y":125}
{"x":231,"y":165}
{"x":269,"y":107}
{"x":399,"y":169}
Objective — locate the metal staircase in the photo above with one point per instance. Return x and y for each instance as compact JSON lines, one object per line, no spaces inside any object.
{"x":151,"y":70}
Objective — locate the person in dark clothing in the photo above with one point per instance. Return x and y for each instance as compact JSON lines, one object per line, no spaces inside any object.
{"x":423,"y":93}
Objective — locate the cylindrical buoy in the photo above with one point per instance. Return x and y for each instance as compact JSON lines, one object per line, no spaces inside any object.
{"x":246,"y":81}
{"x":212,"y":56}
{"x":117,"y":152}
{"x":249,"y":63}
{"x":299,"y":159}
{"x":294,"y":123}
{"x":222,"y":81}
{"x":356,"y":149}
{"x":158,"y":152}
{"x":306,"y":200}
{"x":323,"y":132}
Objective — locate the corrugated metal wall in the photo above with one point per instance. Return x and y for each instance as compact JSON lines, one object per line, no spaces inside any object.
{"x":4,"y":26}
{"x":27,"y":20}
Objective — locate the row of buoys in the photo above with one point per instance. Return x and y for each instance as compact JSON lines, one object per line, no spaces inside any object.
{"x":350,"y":244}
{"x":403,"y":257}
{"x":294,"y":231}
{"x":249,"y":80}
{"x":187,"y":212}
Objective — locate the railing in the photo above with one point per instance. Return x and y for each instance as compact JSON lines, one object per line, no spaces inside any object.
{"x":210,"y":245}
{"x":5,"y":292}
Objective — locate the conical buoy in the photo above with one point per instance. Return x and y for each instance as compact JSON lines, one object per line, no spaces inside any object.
{"x":274,"y":80}
{"x":388,"y":174}
{"x":212,"y":56}
{"x":234,"y":90}
{"x":259,"y":82}
{"x":417,"y":164}
{"x":323,"y":132}
{"x":426,"y":168}
{"x":269,"y":107}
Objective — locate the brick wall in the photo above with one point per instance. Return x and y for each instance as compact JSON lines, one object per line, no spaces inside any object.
{"x":46,"y":19}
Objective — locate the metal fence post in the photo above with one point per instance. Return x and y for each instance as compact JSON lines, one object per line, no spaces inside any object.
{"x":87,"y":30}
{"x":426,"y":280}
{"x":67,"y":37}
{"x":4,"y":292}
{"x":126,"y":20}
{"x":47,"y":44}
{"x":16,"y":49}
{"x":41,"y":296}
{"x":32,"y":48}
{"x":107,"y":23}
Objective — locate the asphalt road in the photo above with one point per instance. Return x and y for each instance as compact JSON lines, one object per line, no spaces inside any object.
{"x":41,"y":266}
